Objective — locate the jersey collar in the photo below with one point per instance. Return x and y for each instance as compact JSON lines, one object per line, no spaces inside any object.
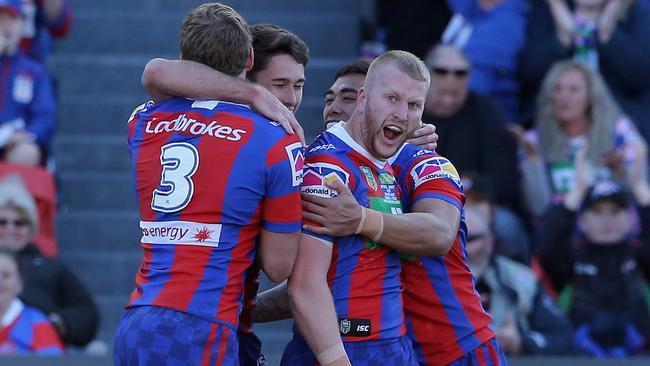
{"x":339,"y":131}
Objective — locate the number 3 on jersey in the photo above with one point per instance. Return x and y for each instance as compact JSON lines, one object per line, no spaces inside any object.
{"x":179,"y":161}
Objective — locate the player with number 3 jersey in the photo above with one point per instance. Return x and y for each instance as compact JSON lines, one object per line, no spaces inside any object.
{"x":217,"y":187}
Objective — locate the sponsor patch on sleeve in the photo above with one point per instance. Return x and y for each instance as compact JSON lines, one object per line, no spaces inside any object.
{"x":315,"y":176}
{"x":297,"y":161}
{"x":434,"y":168}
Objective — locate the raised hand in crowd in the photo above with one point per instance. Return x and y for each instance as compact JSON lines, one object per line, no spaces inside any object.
{"x":564,"y":24}
{"x":509,"y":336}
{"x":637,"y":175}
{"x":583,"y":179}
{"x":608,"y":19}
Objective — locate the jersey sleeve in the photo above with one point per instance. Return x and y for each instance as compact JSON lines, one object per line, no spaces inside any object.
{"x":433,"y":176}
{"x":320,"y":168}
{"x":282,"y":208}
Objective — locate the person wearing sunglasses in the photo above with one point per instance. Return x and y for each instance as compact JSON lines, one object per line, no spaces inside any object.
{"x":49,"y":285}
{"x":526,"y":320}
{"x":473,"y":134}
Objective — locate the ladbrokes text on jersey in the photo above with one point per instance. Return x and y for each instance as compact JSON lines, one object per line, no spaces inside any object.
{"x":190,"y":125}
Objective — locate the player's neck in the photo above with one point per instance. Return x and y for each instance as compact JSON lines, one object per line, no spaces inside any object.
{"x":354,"y":126}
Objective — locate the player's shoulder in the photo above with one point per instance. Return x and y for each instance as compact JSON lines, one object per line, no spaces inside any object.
{"x":409,"y":154}
{"x":328,"y":144}
{"x":139,"y":109}
{"x":425,"y":165}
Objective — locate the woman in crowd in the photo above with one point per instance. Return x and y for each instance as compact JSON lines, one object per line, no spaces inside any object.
{"x":49,"y":285}
{"x":574,"y":109}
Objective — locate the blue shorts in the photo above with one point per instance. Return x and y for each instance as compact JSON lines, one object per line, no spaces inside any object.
{"x":385,"y":352}
{"x":250,"y":350}
{"x":487,"y":354}
{"x":155,"y":336}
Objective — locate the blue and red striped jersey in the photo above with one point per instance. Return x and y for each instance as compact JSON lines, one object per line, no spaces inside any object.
{"x":443,"y":310}
{"x":26,"y":330}
{"x":363,"y":275}
{"x":208,"y":175}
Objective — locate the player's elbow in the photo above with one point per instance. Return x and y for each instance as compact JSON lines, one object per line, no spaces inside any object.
{"x":278,"y":270}
{"x":152,"y":73}
{"x":439,"y":241}
{"x":277,"y":254}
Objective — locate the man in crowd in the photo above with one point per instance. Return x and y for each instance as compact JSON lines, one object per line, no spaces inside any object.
{"x":526,"y":320}
{"x":27,"y":117}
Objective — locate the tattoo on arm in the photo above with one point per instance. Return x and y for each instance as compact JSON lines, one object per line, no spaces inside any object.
{"x":272,"y":305}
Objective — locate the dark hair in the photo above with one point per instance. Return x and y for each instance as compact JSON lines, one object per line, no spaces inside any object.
{"x":270,"y":40}
{"x":216,"y":35}
{"x":358,"y":66}
{"x":12,"y":255}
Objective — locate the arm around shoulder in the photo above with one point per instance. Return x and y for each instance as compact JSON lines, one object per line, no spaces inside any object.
{"x":429,"y":230}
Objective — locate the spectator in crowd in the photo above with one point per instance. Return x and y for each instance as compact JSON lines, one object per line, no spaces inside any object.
{"x":608,"y":36}
{"x":574,"y":109}
{"x":27,"y":115}
{"x":602,"y":259}
{"x":44,"y":20}
{"x":525,"y":318}
{"x":511,"y":240}
{"x":23,"y":329}
{"x":49,"y":285}
{"x":491,"y":33}
{"x":473,"y":132}
{"x":408,"y":30}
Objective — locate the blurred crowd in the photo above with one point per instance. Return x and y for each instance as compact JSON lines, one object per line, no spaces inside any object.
{"x":44,"y":307}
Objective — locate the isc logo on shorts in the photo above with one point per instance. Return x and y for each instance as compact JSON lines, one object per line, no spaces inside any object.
{"x":354,"y":327}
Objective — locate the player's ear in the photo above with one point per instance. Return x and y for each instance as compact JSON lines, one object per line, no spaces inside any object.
{"x":249,"y":59}
{"x":361,"y":96}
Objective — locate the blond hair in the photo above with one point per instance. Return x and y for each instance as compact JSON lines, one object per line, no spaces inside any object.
{"x":603,"y":115}
{"x":405,"y":62}
{"x":13,"y":194}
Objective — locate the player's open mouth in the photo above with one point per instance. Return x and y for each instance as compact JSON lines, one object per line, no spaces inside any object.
{"x":392,"y":132}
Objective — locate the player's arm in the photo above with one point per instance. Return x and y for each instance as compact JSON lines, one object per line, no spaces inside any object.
{"x":272,"y":304}
{"x":429,"y":230}
{"x":277,"y":253}
{"x":164,"y":79}
{"x":311,"y":301}
{"x":281,"y":211}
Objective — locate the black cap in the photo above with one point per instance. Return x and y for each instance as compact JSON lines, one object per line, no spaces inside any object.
{"x":605,"y":190}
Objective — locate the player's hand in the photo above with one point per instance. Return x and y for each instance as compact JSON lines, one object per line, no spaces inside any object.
{"x":338,"y":216}
{"x":425,"y":137}
{"x":268,"y":105}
